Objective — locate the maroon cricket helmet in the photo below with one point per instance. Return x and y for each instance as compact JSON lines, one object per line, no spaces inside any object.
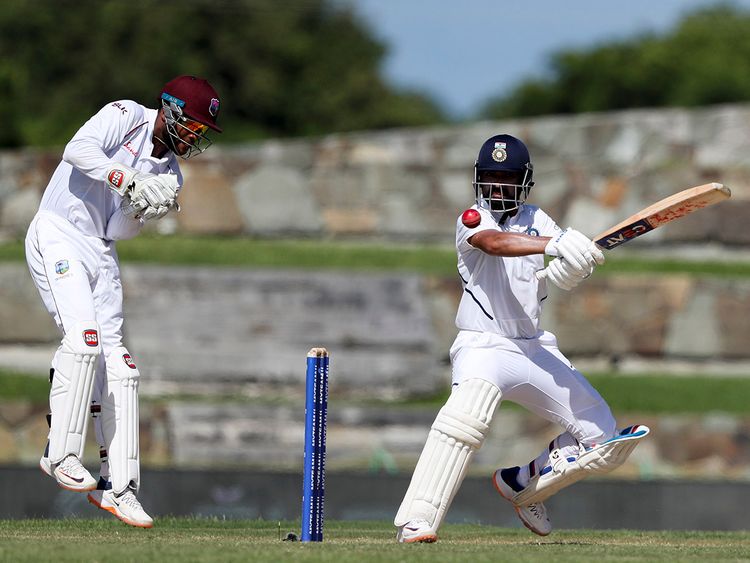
{"x":195,"y":97}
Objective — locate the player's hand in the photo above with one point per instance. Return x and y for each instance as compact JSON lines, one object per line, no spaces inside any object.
{"x":580,"y":251}
{"x":154,"y":191}
{"x":145,"y":212}
{"x":563,"y":275}
{"x":142,"y":188}
{"x":154,"y":213}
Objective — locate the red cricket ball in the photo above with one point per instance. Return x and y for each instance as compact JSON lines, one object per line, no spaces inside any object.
{"x":471,"y":218}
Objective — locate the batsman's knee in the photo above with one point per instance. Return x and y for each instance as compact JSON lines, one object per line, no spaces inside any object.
{"x":466,"y":415}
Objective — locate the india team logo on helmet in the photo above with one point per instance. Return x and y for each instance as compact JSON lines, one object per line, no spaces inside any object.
{"x":213,"y":107}
{"x":499,"y":153}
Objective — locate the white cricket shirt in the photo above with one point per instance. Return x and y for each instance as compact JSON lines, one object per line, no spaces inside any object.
{"x":120,"y":132}
{"x":501,"y":294}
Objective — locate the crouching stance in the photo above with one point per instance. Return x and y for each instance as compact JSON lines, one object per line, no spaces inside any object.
{"x":501,"y":353}
{"x":118,"y":171}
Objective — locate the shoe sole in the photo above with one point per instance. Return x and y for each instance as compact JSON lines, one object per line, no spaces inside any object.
{"x":114,"y":513}
{"x":63,"y":485}
{"x":518,"y":511}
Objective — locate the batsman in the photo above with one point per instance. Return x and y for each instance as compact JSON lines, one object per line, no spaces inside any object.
{"x":117,"y":172}
{"x":502,"y":353}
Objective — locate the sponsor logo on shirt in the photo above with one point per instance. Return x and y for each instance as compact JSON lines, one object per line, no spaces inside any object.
{"x":129,"y":147}
{"x":119,"y":106}
{"x":62,"y":267}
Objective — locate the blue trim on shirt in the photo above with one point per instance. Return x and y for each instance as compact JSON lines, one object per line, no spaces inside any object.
{"x":467,"y":290}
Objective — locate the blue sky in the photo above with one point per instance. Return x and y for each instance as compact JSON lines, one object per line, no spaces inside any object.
{"x":462,"y":52}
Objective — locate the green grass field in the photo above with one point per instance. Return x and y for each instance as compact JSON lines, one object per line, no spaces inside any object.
{"x":197,"y":540}
{"x":318,"y":254}
{"x":642,"y":394}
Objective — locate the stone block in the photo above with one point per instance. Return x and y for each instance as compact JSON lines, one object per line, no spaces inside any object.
{"x":8,"y":445}
{"x":23,"y":317}
{"x":18,"y":210}
{"x":275,"y":199}
{"x":730,"y":223}
{"x":732,"y":319}
{"x":693,"y":329}
{"x":257,"y":326}
{"x":618,"y":316}
{"x":208,"y":204}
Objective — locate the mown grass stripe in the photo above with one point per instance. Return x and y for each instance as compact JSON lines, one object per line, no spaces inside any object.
{"x":643,"y":393}
{"x":316,"y":254}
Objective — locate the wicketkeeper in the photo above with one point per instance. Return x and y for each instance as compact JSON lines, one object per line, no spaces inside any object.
{"x":117,"y":172}
{"x":501,"y":352}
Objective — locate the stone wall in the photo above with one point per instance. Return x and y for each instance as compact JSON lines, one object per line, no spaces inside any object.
{"x":208,"y":329}
{"x":592,"y":170}
{"x":243,"y":334}
{"x":384,"y":438}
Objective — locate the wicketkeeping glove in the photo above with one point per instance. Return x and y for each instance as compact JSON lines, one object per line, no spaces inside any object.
{"x":143,"y":188}
{"x":152,"y":197}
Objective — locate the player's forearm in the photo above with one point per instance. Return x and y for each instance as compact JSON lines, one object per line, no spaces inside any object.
{"x":85,"y":155}
{"x":508,"y":244}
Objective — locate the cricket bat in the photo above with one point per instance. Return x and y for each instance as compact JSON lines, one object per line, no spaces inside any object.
{"x":660,"y":213}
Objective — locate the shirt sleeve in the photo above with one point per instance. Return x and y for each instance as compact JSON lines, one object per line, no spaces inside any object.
{"x":105,"y":131}
{"x":545,"y":225}
{"x":464,"y":233}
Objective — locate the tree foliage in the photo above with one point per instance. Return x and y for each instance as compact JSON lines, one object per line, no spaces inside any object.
{"x":297,"y":67}
{"x":704,"y":60}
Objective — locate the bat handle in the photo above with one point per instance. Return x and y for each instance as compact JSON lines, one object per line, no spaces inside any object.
{"x":541,"y":274}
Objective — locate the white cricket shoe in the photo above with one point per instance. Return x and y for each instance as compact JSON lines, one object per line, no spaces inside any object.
{"x":416,"y":531}
{"x":70,"y":474}
{"x":125,"y":507}
{"x":534,"y":516}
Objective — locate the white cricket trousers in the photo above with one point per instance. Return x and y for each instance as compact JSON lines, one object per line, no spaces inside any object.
{"x":537,"y":376}
{"x":78,"y":276}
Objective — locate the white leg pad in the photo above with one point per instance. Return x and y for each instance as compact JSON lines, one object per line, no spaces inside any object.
{"x":71,"y":389}
{"x":599,"y":459}
{"x":458,"y":431}
{"x":119,"y":420}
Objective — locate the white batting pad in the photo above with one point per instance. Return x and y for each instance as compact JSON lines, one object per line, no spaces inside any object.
{"x":599,"y":459}
{"x":458,"y":431}
{"x":119,"y":420}
{"x":70,"y":393}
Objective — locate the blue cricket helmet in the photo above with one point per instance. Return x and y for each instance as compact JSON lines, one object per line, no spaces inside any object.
{"x":508,"y":154}
{"x":504,"y":152}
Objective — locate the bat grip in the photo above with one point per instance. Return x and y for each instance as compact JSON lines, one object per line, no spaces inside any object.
{"x":541,"y":274}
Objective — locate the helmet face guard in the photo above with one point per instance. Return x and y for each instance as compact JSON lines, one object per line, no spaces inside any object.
{"x":177,"y":122}
{"x":503,"y":175}
{"x":501,"y":197}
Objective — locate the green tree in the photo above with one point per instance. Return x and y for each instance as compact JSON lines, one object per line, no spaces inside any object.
{"x":704,"y":60}
{"x":298,"y":67}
